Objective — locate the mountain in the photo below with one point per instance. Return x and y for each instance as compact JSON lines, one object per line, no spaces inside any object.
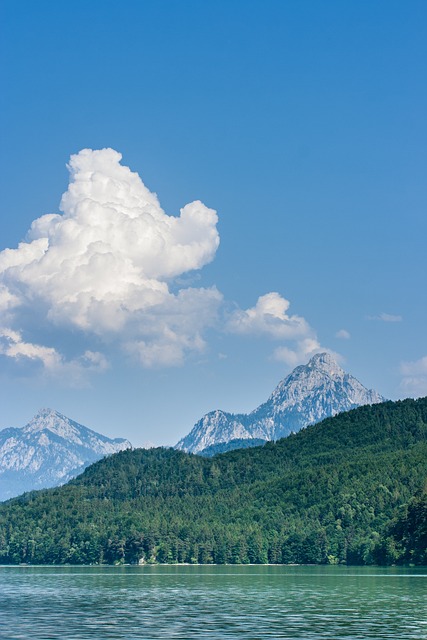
{"x":346,"y":490}
{"x":310,"y":393}
{"x":222,"y":447}
{"x":50,"y":450}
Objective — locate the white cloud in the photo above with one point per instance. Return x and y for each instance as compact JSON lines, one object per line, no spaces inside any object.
{"x":303,"y":350}
{"x":269,"y":317}
{"x":414,"y":380}
{"x":386,"y":317}
{"x":104,"y":266}
{"x":166,"y":353}
{"x":94,"y":361}
{"x":115,"y":270}
{"x":7,"y":299}
{"x":343,"y":334}
{"x":13,"y":346}
{"x":53,"y":363}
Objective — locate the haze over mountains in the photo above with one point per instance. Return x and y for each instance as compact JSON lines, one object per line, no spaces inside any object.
{"x":50,"y":450}
{"x":310,"y":393}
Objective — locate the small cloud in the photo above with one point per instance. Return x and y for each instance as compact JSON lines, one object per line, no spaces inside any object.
{"x":52,"y":363}
{"x":386,"y":317}
{"x":414,"y":381}
{"x":269,"y":317}
{"x":343,"y":334}
{"x":222,"y":356}
{"x":13,"y":346}
{"x":93,"y":361}
{"x":167,"y":353}
{"x":417,"y":367}
{"x":302,"y":351}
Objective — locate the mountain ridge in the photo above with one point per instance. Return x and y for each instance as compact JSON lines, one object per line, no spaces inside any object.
{"x":48,"y":451}
{"x":310,"y":393}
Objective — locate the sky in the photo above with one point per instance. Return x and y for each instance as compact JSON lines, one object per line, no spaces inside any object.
{"x":198,"y":196}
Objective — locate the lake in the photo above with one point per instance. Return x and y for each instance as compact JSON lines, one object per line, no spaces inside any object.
{"x":186,"y":602}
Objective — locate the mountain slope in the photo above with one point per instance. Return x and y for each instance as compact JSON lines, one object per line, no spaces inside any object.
{"x":309,"y":394}
{"x":222,"y":447}
{"x":50,"y":450}
{"x":326,"y":494}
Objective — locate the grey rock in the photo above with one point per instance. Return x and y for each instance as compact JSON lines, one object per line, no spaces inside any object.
{"x":309,"y":394}
{"x":50,"y":450}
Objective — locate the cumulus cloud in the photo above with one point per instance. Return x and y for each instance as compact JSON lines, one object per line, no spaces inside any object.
{"x":386,"y":317}
{"x":113,"y":269}
{"x":104,"y":266}
{"x":414,"y":380}
{"x":343,"y":334}
{"x":270,"y":317}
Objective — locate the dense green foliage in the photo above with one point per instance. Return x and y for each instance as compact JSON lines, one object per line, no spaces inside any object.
{"x":406,"y":541}
{"x":334,"y":492}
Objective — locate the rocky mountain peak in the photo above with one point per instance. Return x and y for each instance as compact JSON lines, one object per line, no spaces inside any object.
{"x":321,"y":367}
{"x":51,"y":420}
{"x":50,"y":450}
{"x":324,"y":362}
{"x":310,"y":393}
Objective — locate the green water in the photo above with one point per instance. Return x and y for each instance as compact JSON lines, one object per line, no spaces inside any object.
{"x":186,"y":602}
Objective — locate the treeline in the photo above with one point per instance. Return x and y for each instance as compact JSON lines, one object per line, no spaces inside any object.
{"x":349,"y":490}
{"x":238,"y":443}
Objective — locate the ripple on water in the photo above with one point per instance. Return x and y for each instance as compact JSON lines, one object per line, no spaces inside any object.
{"x":211,"y":602}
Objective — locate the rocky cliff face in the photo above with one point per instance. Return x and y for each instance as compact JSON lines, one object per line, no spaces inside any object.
{"x":310,"y":393}
{"x":50,"y":450}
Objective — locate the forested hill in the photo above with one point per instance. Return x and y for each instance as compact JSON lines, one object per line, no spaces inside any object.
{"x":350,"y":489}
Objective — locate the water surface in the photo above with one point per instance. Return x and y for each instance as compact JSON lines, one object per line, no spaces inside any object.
{"x":186,"y":602}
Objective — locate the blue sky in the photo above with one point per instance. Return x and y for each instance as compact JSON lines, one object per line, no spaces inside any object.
{"x":300,"y":123}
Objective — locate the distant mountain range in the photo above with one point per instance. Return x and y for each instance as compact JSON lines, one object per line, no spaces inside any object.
{"x":310,"y":393}
{"x":50,"y":450}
